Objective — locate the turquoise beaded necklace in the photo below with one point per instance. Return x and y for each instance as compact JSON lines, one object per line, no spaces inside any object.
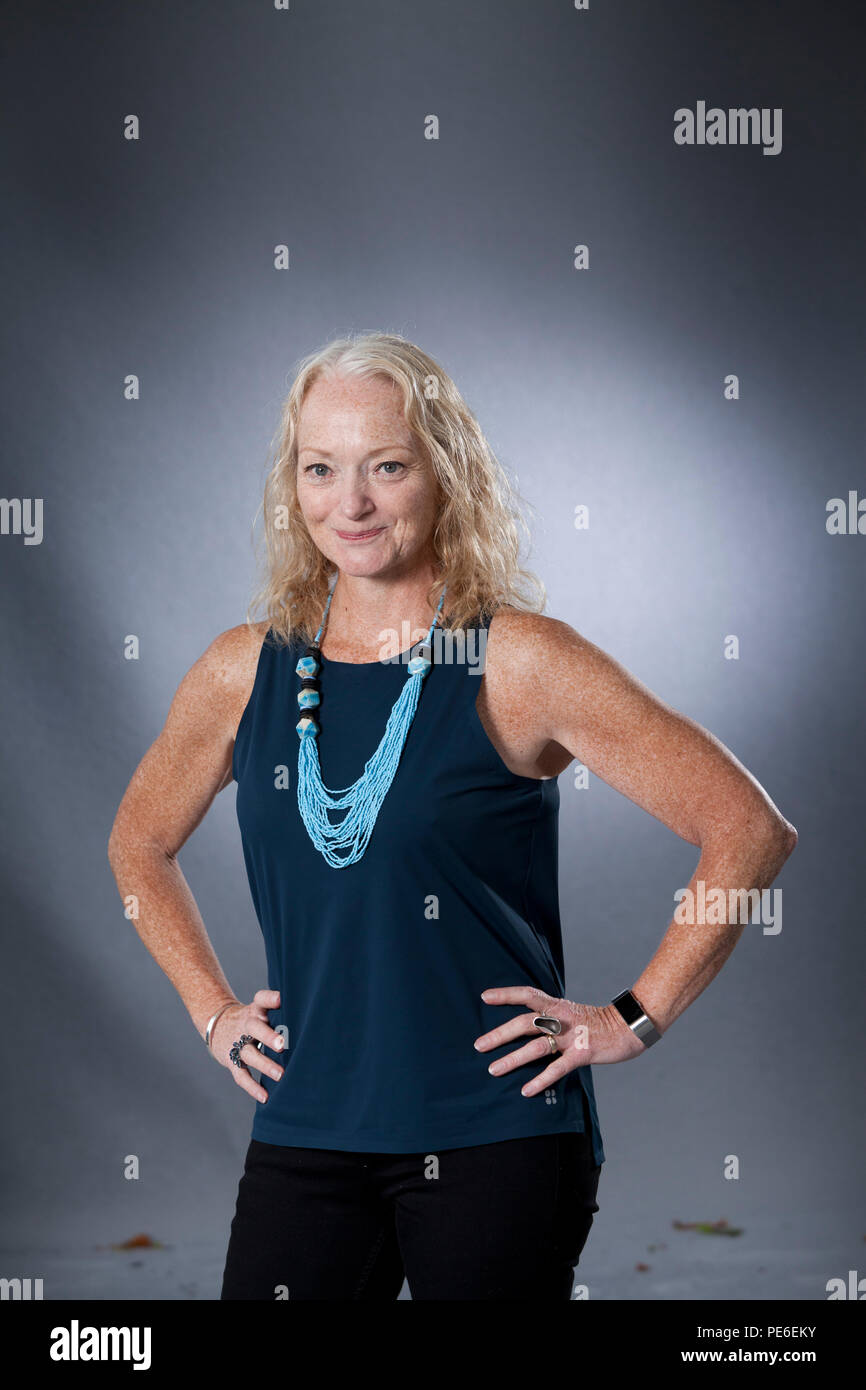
{"x":364,"y":798}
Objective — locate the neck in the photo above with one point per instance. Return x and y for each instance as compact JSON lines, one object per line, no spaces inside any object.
{"x":379,"y":616}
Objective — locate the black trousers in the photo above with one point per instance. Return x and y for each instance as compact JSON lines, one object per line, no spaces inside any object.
{"x":494,"y":1221}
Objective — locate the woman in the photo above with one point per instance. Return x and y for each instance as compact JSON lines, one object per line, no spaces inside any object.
{"x":425,"y":1104}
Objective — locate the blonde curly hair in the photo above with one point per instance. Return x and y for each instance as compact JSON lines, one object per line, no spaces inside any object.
{"x":476,"y":538}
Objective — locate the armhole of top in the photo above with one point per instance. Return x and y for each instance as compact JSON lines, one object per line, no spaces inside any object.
{"x":242,"y":722}
{"x":494,"y":752}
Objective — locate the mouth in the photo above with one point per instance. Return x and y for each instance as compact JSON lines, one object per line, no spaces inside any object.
{"x":360,"y":535}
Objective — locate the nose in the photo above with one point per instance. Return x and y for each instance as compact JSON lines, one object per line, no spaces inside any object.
{"x":354,"y":501}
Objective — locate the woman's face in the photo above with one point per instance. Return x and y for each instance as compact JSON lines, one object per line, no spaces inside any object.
{"x":360,"y":471}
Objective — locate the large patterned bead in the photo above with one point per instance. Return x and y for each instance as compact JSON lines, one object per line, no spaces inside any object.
{"x":309,"y":698}
{"x":422,"y":661}
{"x":308,"y":665}
{"x":307,"y":727}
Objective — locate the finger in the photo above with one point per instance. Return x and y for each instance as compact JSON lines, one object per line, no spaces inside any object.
{"x":511,"y":1029}
{"x":246,"y":1083}
{"x":517,"y":994}
{"x":253,"y":1058}
{"x":263,"y":1031}
{"x":258,"y":1024}
{"x":266,"y":1000}
{"x":532,"y":1052}
{"x":541,"y":1003}
{"x":558,"y":1068}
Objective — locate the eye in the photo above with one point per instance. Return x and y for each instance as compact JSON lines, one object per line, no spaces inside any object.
{"x":388,"y":463}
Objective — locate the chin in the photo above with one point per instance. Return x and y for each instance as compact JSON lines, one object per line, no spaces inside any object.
{"x":360,"y":559}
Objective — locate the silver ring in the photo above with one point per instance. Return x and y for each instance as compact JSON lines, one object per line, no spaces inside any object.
{"x":545,"y":1024}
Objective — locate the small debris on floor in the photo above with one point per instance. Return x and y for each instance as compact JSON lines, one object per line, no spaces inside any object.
{"x":139,"y":1242}
{"x":709,"y":1228}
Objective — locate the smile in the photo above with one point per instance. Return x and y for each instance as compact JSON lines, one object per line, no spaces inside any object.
{"x":359,"y":535}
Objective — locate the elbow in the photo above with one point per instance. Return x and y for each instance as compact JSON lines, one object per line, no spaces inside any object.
{"x":790,"y":837}
{"x":765,"y":841}
{"x":125,"y":848}
{"x":781,"y":840}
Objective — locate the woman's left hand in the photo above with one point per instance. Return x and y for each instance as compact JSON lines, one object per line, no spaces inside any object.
{"x":590,"y":1033}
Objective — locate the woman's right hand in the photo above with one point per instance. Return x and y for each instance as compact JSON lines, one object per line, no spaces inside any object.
{"x":253,"y":1019}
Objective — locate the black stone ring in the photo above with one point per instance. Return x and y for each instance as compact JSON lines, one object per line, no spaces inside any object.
{"x":545,"y":1024}
{"x":235,"y":1049}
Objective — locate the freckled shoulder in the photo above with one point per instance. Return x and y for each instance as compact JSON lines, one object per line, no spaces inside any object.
{"x":216,"y":690}
{"x":233,"y":658}
{"x":219,"y":684}
{"x":525,"y":652}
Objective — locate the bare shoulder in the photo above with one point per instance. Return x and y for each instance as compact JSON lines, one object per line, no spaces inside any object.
{"x":585,"y":687}
{"x":522,"y":646}
{"x":517,"y":625}
{"x":549,"y":691}
{"x":221,"y":680}
{"x":190,"y":761}
{"x":554,"y":696}
{"x":526,"y":652}
{"x":233,"y":655}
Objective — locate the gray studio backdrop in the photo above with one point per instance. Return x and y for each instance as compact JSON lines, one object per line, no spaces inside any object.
{"x":602,"y":386}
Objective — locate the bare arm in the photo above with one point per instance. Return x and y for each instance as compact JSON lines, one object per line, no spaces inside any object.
{"x":684,"y":776}
{"x":592,"y":707}
{"x":169,"y":794}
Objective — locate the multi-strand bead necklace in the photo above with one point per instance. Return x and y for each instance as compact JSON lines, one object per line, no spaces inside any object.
{"x":364,"y":798}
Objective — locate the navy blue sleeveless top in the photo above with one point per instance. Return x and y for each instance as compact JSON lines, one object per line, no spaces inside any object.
{"x":380,"y":965}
